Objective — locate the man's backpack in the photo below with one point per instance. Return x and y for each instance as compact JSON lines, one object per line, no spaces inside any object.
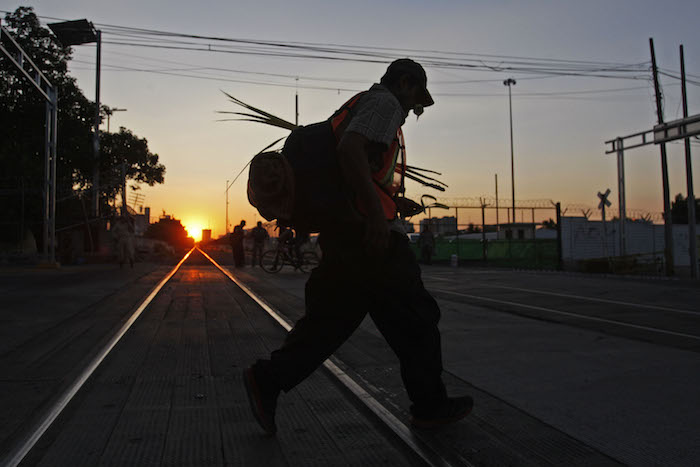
{"x":301,"y":186}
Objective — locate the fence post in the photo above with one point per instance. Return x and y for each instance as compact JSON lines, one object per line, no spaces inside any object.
{"x":509,"y":237}
{"x":534,"y":238}
{"x":457,"y":222}
{"x":483,"y":232}
{"x":559,"y":239}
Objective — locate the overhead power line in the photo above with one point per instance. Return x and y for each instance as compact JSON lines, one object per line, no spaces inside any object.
{"x":152,"y":38}
{"x":326,"y":47}
{"x":150,"y":34}
{"x":182,"y":72}
{"x":437,"y":62}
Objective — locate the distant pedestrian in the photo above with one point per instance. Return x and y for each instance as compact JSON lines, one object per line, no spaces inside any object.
{"x":426,"y":243}
{"x":236,"y":239}
{"x":125,"y":243}
{"x":259,"y":235}
{"x":299,"y":240}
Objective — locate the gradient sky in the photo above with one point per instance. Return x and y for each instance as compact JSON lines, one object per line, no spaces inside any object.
{"x":559,"y":140}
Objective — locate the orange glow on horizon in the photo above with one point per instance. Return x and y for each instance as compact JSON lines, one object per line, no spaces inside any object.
{"x":194,"y":229}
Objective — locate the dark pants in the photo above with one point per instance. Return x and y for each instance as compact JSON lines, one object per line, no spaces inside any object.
{"x":346,"y":286}
{"x":257,"y":253}
{"x":238,"y":254}
{"x":427,"y":254}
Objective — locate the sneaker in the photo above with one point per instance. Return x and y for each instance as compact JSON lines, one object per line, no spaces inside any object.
{"x":263,"y":401}
{"x":452,"y":410}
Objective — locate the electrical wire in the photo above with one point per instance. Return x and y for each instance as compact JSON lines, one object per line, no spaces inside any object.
{"x":137,"y":36}
{"x":536,"y":70}
{"x":468,"y":59}
{"x":179,"y":72}
{"x":538,"y":66}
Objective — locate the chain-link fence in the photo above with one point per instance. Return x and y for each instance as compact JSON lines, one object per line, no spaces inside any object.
{"x":543,"y":235}
{"x":482,"y":231}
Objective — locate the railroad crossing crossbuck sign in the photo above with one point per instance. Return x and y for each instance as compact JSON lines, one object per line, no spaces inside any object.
{"x":604,"y":203}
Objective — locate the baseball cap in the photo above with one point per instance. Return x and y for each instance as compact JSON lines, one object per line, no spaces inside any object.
{"x":410,"y":67}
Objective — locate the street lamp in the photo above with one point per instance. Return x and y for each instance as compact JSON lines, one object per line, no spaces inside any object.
{"x":79,"y":32}
{"x":109,"y":111}
{"x":227,"y":187}
{"x":511,"y":82}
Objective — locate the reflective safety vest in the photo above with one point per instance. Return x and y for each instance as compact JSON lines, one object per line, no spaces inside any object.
{"x":388,"y":172}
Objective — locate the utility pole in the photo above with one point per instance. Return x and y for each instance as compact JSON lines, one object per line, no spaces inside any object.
{"x":692,"y":239}
{"x":621,"y":195}
{"x":227,"y":187}
{"x":96,"y":136}
{"x":109,"y":111}
{"x":668,"y":226}
{"x":296,"y":104}
{"x":511,"y":82}
{"x":79,"y":32}
{"x":124,"y":205}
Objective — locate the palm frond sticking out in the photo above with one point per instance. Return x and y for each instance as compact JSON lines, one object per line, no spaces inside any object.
{"x":415,"y":173}
{"x":257,"y":115}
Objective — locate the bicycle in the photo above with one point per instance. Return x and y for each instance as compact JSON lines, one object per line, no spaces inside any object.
{"x":273,"y":260}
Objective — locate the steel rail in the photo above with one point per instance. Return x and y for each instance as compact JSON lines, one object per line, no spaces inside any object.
{"x":578,"y":297}
{"x":55,"y":410}
{"x":599,"y":300}
{"x":567,"y":313}
{"x":411,"y":439}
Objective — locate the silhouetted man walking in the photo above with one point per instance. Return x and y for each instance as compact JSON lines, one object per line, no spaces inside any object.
{"x":379,"y":275}
{"x":236,"y":238}
{"x":426,"y":241}
{"x":259,"y":235}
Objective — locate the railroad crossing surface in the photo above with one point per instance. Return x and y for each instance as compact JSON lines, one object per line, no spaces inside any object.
{"x":564,"y":370}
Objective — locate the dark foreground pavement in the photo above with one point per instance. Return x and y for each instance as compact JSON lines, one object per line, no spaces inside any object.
{"x":51,"y":324}
{"x":565,"y":369}
{"x":496,"y":433}
{"x":550,"y":388}
{"x":171,"y":394}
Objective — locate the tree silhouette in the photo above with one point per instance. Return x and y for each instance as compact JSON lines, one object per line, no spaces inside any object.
{"x":22,"y":119}
{"x":679,"y":209}
{"x":170,"y":231}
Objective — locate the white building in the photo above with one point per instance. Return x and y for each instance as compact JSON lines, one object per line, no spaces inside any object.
{"x":583,"y":239}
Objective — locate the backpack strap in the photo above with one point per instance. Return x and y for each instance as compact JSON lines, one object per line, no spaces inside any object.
{"x":340,"y":119}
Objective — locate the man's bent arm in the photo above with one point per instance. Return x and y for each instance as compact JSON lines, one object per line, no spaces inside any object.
{"x":354,"y":164}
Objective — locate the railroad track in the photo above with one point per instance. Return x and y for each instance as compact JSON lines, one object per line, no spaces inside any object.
{"x":664,"y":324}
{"x":410,"y":439}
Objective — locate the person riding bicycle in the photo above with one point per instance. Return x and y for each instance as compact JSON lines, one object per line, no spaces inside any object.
{"x":259,"y":235}
{"x":299,"y":240}
{"x":292,"y":244}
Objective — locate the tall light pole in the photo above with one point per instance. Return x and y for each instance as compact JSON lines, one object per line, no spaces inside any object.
{"x":511,"y":82}
{"x":109,"y":111}
{"x":692,"y":240}
{"x":79,"y":32}
{"x":227,"y":187}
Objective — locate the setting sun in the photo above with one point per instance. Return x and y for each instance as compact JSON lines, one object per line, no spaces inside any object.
{"x":194,"y":229}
